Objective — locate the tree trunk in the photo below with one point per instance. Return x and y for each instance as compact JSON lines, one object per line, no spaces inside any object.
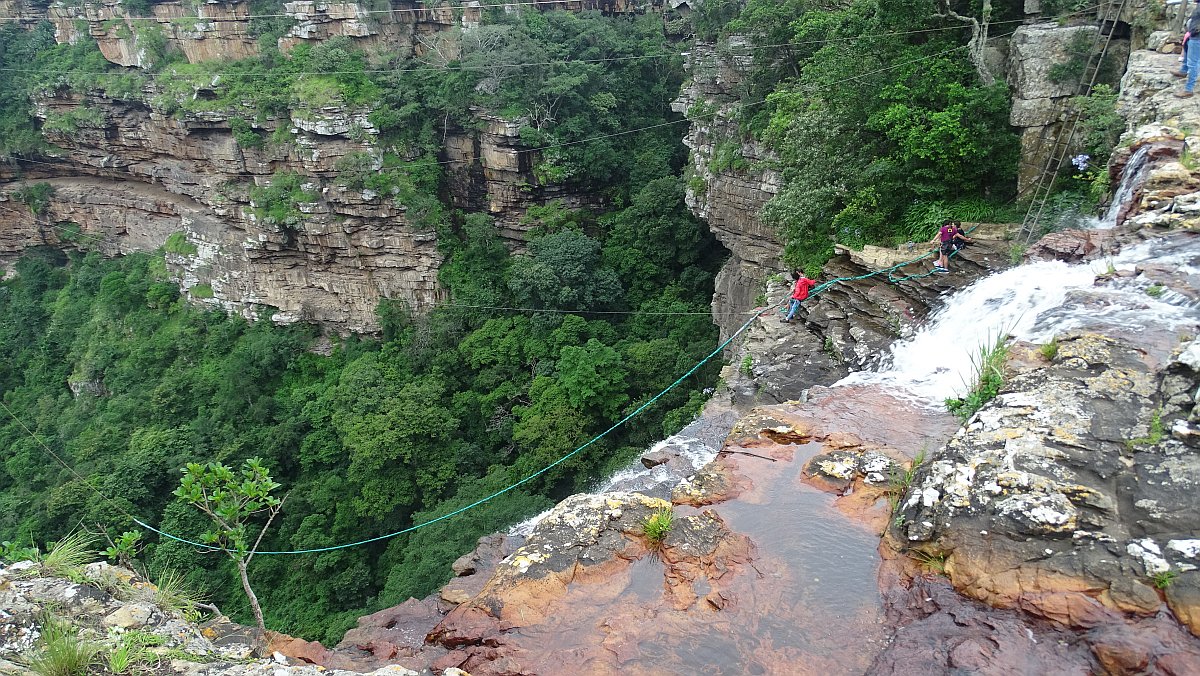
{"x":258,"y":614}
{"x":979,"y":31}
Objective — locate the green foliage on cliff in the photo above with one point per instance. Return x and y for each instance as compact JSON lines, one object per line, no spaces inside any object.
{"x":279,"y":201}
{"x":36,"y":196}
{"x":447,"y":408}
{"x":33,"y":62}
{"x":873,"y":109}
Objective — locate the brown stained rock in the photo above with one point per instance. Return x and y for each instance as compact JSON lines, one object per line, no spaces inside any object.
{"x":1073,"y":246}
{"x":1070,"y":609}
{"x":1183,"y":597}
{"x":585,"y":551}
{"x":656,"y":458}
{"x":1121,"y":656}
{"x":311,"y":652}
{"x":940,"y":632}
{"x":702,"y":549}
{"x":1131,"y":596}
{"x":716,"y":482}
{"x":586,"y":538}
{"x":453,"y":659}
{"x":488,"y":553}
{"x":389,"y":635}
{"x":840,"y":468}
{"x":1035,"y":500}
{"x":1178,"y":664}
{"x":466,"y":625}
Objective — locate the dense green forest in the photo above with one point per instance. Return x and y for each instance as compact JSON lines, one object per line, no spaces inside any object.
{"x":445,"y":408}
{"x":881,"y":127}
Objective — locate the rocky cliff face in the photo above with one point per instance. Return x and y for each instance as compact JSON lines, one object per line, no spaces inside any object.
{"x":133,"y":172}
{"x":846,"y":328}
{"x":728,"y":198}
{"x":131,"y":176}
{"x":850,"y":326}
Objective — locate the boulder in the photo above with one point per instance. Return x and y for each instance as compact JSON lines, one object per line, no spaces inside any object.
{"x":133,"y":616}
{"x":656,"y":458}
{"x":1059,"y":498}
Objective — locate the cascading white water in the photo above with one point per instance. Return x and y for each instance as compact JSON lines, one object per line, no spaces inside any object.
{"x":1132,"y":179}
{"x":1032,"y":302}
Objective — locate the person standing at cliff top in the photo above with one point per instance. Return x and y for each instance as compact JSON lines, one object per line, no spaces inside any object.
{"x":1191,"y":59}
{"x":799,"y":293}
{"x":945,"y":241}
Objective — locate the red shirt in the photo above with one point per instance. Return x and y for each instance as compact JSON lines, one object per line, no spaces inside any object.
{"x":800,"y":292}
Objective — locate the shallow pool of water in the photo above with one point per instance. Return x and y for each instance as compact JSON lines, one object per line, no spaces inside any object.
{"x":808,"y":603}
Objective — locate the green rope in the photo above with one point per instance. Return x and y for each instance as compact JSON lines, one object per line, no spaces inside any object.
{"x":500,"y":492}
{"x":756,"y":314}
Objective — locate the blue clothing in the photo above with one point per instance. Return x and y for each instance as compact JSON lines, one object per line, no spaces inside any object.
{"x":1191,"y":65}
{"x":792,"y":311}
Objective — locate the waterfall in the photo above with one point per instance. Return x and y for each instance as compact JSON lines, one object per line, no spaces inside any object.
{"x":1033,"y":302}
{"x":1131,"y":179}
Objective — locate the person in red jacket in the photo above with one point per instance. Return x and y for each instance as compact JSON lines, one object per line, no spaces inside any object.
{"x":799,"y":293}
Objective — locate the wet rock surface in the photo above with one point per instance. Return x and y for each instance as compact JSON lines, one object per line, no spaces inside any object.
{"x":850,"y":325}
{"x":941,"y":632}
{"x":1063,"y":496}
{"x":585,"y":545}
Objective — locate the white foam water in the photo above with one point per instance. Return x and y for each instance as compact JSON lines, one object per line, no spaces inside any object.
{"x":1033,"y":302}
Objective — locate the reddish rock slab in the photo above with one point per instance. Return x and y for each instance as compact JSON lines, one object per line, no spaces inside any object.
{"x":395,"y":635}
{"x":940,"y":632}
{"x":1073,"y":246}
{"x":311,"y":652}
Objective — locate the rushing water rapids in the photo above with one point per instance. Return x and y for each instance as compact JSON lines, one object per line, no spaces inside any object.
{"x":1033,"y":302}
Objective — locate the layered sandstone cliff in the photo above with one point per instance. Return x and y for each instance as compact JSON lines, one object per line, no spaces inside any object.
{"x":729,"y":198}
{"x":141,"y":165}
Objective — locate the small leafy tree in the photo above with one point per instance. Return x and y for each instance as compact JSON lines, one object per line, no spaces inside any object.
{"x":124,"y":549}
{"x":231,"y":499}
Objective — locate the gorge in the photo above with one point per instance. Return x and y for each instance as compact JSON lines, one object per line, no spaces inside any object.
{"x":364,"y":224}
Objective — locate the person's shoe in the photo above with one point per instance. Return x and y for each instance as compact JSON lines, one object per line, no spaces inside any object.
{"x":1183,"y":95}
{"x":1179,"y":73}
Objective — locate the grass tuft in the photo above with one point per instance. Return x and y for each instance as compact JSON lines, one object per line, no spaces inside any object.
{"x":657,"y":525}
{"x":930,"y":563}
{"x":989,"y":378}
{"x":121,"y":658}
{"x":63,"y":652}
{"x":172,"y":594}
{"x":1163,"y":579}
{"x":747,"y":366}
{"x":898,"y":484}
{"x":1156,"y":432}
{"x":68,"y":556}
{"x":1050,"y":350}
